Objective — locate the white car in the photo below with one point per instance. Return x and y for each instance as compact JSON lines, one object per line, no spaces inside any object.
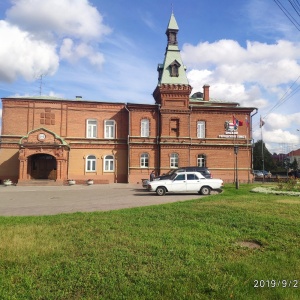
{"x":185,"y":182}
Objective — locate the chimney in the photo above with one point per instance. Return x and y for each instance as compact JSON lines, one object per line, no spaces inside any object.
{"x":206,"y":92}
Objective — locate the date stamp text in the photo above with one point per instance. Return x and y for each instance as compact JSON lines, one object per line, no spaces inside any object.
{"x":275,"y":283}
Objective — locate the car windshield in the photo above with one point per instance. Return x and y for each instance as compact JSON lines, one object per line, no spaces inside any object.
{"x":173,"y":176}
{"x":171,"y":172}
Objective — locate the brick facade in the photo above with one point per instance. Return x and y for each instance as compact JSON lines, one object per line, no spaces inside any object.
{"x":60,"y":139}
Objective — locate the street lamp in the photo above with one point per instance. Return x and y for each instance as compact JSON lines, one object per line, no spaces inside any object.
{"x":236,"y":151}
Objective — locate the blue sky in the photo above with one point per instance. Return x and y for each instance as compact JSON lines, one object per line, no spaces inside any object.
{"x":247,"y":51}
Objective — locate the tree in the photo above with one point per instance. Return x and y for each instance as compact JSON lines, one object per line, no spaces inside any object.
{"x":294,"y":165}
{"x":261,"y":158}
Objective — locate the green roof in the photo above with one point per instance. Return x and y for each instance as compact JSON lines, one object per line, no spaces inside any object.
{"x":172,"y":23}
{"x":172,"y":55}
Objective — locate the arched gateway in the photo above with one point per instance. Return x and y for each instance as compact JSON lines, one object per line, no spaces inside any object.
{"x":42,"y":166}
{"x":43,"y":155}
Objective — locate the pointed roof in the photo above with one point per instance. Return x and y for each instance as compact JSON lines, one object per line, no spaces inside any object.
{"x":172,"y":56}
{"x":172,"y":23}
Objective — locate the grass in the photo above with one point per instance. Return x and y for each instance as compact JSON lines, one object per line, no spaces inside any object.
{"x":184,"y":250}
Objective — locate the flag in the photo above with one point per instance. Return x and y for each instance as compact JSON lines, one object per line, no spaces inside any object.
{"x":261,"y":122}
{"x":236,"y":122}
{"x":247,"y":121}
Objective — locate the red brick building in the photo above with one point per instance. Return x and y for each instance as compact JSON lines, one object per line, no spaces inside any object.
{"x":60,"y":139}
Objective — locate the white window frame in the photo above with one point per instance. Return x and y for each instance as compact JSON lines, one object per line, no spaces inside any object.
{"x":145,"y":128}
{"x":109,"y":129}
{"x":201,"y":160}
{"x":144,"y":160}
{"x":174,"y":158}
{"x":91,"y":128}
{"x":109,"y":163}
{"x":90,"y":163}
{"x":201,"y":129}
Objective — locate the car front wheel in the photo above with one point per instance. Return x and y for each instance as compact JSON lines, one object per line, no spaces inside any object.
{"x":205,"y":190}
{"x":160,"y":191}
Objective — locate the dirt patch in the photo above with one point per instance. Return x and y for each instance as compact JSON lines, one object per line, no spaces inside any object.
{"x":250,"y":244}
{"x":289,"y":201}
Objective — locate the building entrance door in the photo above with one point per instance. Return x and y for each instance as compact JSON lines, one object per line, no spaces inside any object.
{"x":42,"y":166}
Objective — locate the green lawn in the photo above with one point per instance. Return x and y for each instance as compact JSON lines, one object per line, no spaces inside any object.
{"x":184,"y":250}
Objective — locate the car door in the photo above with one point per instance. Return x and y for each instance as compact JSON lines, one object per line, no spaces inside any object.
{"x":179,"y":183}
{"x":192,"y":183}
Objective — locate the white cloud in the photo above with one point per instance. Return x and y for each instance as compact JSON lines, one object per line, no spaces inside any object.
{"x":279,"y":121}
{"x":279,"y":130}
{"x":36,"y":33}
{"x":73,"y":52}
{"x":266,"y":64}
{"x":22,"y":55}
{"x":279,"y":136}
{"x":256,"y":76}
{"x":233,"y":92}
{"x":77,"y":18}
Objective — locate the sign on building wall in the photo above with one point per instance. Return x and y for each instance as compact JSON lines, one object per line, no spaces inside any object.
{"x":231,"y":130}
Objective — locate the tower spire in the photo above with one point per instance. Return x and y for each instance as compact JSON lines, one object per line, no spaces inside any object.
{"x":172,"y":72}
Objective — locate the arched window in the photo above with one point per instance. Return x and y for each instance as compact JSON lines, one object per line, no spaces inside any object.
{"x":144,"y":160}
{"x":174,"y":160}
{"x":201,"y":160}
{"x":90,"y":165}
{"x":145,"y":128}
{"x":109,"y":163}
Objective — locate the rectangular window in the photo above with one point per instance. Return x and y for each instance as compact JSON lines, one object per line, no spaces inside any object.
{"x":174,"y":160}
{"x":174,"y":127}
{"x":145,"y":128}
{"x":109,"y":128}
{"x":201,"y":161}
{"x":200,"y":129}
{"x":91,"y":128}
{"x":144,"y":160}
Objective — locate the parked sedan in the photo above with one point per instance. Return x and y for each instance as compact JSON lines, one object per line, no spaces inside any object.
{"x":258,"y":173}
{"x":267,"y":174}
{"x":185,"y":182}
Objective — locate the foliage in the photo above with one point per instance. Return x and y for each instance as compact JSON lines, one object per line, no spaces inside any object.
{"x":184,"y":250}
{"x":262,"y":157}
{"x":294,"y":165}
{"x":292,"y":184}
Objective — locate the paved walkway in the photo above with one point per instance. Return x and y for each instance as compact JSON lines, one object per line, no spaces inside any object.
{"x":50,"y":200}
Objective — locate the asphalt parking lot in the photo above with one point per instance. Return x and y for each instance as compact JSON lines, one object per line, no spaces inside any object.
{"x":51,"y":200}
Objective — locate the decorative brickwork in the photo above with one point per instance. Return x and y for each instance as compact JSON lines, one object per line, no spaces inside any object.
{"x":117,"y":142}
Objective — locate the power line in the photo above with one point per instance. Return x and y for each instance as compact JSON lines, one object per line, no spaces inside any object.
{"x":288,"y":14}
{"x":286,"y":96}
{"x":295,"y":4}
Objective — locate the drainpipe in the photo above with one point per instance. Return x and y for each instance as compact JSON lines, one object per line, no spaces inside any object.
{"x":256,"y":111}
{"x":158,"y":138}
{"x":191,"y":108}
{"x":128,"y":144}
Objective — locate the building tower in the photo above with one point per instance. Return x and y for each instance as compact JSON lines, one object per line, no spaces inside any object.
{"x":172,"y":96}
{"x":173,"y":88}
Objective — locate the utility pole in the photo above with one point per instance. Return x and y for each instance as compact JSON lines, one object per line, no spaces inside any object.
{"x":236,"y":151}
